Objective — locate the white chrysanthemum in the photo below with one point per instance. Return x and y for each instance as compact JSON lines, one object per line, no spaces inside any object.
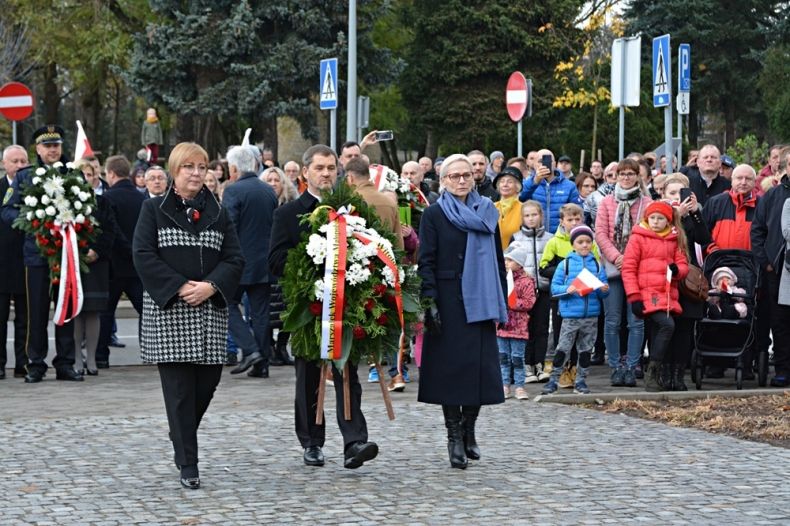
{"x":84,"y":196}
{"x":40,"y":171}
{"x":66,"y":216}
{"x":36,"y":180}
{"x":324,"y":228}
{"x":45,"y":200}
{"x":88,"y":210}
{"x":389,"y":277}
{"x":318,"y":290}
{"x":29,"y":216}
{"x":405,"y":185}
{"x":79,"y":219}
{"x":75,"y":190}
{"x":57,"y":164}
{"x":31,"y":200}
{"x":355,"y":221}
{"x":50,"y":210}
{"x":356,"y":273}
{"x":316,"y":248}
{"x":70,"y":165}
{"x":40,"y":214}
{"x":77,"y":205}
{"x":53,"y":186}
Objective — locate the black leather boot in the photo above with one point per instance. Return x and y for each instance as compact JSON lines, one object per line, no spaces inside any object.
{"x":281,"y":350}
{"x":455,"y":439}
{"x":471,"y":448}
{"x":653,"y":377}
{"x":667,"y":377}
{"x":678,"y":372}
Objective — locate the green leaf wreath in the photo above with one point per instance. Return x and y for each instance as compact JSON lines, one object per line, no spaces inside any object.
{"x":371,"y":327}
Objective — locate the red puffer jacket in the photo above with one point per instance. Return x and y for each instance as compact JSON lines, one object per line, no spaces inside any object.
{"x":518,"y":316}
{"x":644,"y":271}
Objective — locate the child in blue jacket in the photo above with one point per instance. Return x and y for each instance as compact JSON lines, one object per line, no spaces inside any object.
{"x":579,"y":312}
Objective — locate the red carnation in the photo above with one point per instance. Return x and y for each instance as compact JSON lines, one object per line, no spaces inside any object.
{"x":390,"y":298}
{"x":56,"y":281}
{"x":51,"y":251}
{"x":49,"y":225}
{"x":43,"y":241}
{"x":77,"y":227}
{"x":379,"y":289}
{"x":82,"y":243}
{"x":87,"y":221}
{"x":315,"y":308}
{"x":369,"y":304}
{"x":382,"y":320}
{"x":35,"y":223}
{"x":58,"y":243}
{"x":359,"y":333}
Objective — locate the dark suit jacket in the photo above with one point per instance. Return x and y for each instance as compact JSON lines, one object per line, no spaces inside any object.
{"x":12,"y":267}
{"x":287,"y":231}
{"x":125,"y":201}
{"x":250,"y":204}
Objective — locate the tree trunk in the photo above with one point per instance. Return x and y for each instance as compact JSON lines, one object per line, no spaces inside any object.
{"x":430,"y":146}
{"x":51,"y":95}
{"x":729,"y":125}
{"x":116,"y":116}
{"x":268,"y":133}
{"x":185,"y":128}
{"x":594,"y":135}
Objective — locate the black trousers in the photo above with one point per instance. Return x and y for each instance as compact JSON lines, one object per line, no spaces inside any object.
{"x":188,"y":389}
{"x":539,"y":329}
{"x":38,"y":302}
{"x":308,"y":376}
{"x":20,"y":328}
{"x":780,"y":324}
{"x":133,"y":288}
{"x":682,"y":343}
{"x":662,"y":328}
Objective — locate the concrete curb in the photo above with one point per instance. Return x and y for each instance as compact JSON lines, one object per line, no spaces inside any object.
{"x":597,"y":398}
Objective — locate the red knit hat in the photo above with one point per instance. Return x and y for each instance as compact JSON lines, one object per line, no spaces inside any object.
{"x":659,"y":207}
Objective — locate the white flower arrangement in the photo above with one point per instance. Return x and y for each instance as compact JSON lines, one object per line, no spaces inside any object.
{"x":40,"y":171}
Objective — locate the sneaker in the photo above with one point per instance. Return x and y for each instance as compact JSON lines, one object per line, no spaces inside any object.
{"x":617,"y":378}
{"x":550,"y":387}
{"x":581,"y":387}
{"x":531,"y":377}
{"x":373,"y":376}
{"x":521,"y":394}
{"x":638,"y":372}
{"x":629,"y":378}
{"x":543,"y":374}
{"x":567,"y":377}
{"x":506,"y":390}
{"x":780,"y":380}
{"x":397,"y":384}
{"x":406,"y":376}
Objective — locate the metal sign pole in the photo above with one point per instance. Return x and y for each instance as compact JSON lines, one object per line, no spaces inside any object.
{"x":680,"y":144}
{"x":623,"y":76}
{"x":333,"y":129}
{"x":519,"y":139}
{"x":13,"y":132}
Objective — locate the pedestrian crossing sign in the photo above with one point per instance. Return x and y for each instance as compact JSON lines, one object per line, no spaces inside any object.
{"x":328,"y":84}
{"x":661,"y":80}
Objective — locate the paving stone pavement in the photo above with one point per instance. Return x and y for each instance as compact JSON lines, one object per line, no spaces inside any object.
{"x":97,"y":453}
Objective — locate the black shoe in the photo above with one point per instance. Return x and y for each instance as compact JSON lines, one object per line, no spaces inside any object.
{"x":92,"y":372}
{"x":2,"y":374}
{"x":259,"y":371}
{"x":313,"y":456}
{"x":33,"y":377}
{"x":190,"y":478}
{"x":69,"y":375}
{"x":102,"y":365}
{"x":597,"y":358}
{"x":115,"y":342}
{"x":231,"y":359}
{"x":359,"y":453}
{"x":20,"y":373}
{"x":275,"y":360}
{"x":247,"y":362}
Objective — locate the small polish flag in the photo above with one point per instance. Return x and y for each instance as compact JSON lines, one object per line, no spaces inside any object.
{"x":82,"y":146}
{"x":511,"y":290}
{"x":586,"y":282}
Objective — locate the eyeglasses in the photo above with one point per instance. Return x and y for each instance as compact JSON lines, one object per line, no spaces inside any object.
{"x":467,"y":176}
{"x":189,"y":167}
{"x":626,"y":175}
{"x":588,"y":186}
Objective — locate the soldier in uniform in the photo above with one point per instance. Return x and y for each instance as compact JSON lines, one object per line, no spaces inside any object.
{"x":49,"y":150}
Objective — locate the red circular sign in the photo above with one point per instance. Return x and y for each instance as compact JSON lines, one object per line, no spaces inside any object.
{"x":16,"y":101}
{"x":516,"y":96}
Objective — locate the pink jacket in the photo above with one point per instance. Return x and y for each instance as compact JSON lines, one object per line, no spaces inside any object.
{"x":518,"y":317}
{"x":604,"y":224}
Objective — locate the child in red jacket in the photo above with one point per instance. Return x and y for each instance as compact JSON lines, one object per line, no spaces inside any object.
{"x":512,"y":336}
{"x":653,"y":264}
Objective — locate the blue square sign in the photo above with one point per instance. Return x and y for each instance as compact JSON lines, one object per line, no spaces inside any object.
{"x":684,"y":67}
{"x":327,"y":94}
{"x":662,"y":81}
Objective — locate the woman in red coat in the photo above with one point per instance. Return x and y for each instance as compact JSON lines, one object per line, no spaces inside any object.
{"x":653,"y":264}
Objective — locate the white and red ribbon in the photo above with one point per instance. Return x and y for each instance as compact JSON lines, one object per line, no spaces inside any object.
{"x":70,"y":295}
{"x":334,"y":287}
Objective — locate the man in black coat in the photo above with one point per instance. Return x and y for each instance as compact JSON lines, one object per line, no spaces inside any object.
{"x":49,"y":150}
{"x":12,"y":271}
{"x":125,"y":202}
{"x":704,"y":179}
{"x":250,"y":204}
{"x":320,"y":171}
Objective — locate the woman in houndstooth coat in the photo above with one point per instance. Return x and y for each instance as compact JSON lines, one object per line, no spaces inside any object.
{"x":189,"y":260}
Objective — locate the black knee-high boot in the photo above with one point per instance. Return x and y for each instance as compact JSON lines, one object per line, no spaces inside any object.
{"x":470,"y":443}
{"x":455,"y":439}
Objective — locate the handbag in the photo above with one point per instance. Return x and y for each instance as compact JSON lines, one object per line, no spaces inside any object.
{"x":611,"y":269}
{"x":695,"y":285}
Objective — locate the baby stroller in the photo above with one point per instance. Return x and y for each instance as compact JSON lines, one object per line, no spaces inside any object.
{"x":724,"y":341}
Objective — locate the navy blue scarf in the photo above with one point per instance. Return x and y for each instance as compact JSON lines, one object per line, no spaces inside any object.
{"x":480,"y":284}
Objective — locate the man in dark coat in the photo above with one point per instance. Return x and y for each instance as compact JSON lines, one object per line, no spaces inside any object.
{"x":12,"y":272}
{"x":483,"y":184}
{"x":704,"y":179}
{"x":320,"y":171}
{"x":250,"y":204}
{"x":125,"y":202}
{"x":49,"y":150}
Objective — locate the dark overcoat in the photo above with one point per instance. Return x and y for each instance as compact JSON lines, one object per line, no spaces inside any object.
{"x":287,"y":230}
{"x":169,"y":251}
{"x":125,"y":202}
{"x":696,"y":232}
{"x":461,"y":365}
{"x":96,"y":282}
{"x":12,"y":268}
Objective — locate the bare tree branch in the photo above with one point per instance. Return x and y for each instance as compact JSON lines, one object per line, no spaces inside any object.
{"x":14,"y":45}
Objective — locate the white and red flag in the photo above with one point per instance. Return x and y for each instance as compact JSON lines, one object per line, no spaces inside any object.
{"x":511,"y":290}
{"x":82,"y":147}
{"x":586,"y":282}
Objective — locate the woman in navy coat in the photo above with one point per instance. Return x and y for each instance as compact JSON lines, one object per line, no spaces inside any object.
{"x":463,"y":274}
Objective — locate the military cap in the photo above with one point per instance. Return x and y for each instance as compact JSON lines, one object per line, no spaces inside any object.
{"x":49,"y":134}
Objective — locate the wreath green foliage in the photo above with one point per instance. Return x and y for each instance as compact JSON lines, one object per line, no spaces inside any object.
{"x":371,"y":327}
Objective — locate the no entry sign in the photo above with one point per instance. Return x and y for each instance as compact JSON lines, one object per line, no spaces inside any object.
{"x":16,"y":101}
{"x":516,"y":96}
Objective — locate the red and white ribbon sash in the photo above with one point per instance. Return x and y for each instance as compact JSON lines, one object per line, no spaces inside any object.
{"x":70,"y":295}
{"x":334,"y":287}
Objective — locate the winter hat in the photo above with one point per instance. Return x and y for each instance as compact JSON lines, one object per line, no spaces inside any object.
{"x":581,"y":230}
{"x":496,"y":155}
{"x":517,"y":253}
{"x":659,"y":207}
{"x":721,"y":273}
{"x":511,"y":171}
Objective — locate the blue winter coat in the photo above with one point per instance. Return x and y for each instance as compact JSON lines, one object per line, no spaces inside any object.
{"x":575,"y":306}
{"x":551,"y":196}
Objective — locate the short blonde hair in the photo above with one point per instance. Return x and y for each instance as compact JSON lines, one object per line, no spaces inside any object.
{"x":677,"y":177}
{"x":183,"y":151}
{"x":571,"y":209}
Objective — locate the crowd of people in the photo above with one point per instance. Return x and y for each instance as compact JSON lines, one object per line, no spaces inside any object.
{"x":533,"y":273}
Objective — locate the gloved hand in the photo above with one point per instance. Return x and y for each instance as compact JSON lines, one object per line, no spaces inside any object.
{"x":433,"y":323}
{"x":638,"y":308}
{"x":674,"y":269}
